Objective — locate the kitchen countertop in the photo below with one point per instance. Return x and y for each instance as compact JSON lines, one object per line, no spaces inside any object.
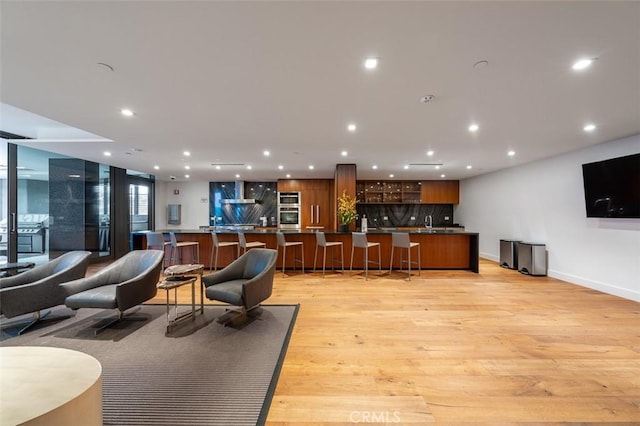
{"x":272,"y":230}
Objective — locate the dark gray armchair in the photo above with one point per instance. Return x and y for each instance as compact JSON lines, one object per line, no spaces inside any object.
{"x":125,"y":283}
{"x":39,"y":288}
{"x":246,"y":282}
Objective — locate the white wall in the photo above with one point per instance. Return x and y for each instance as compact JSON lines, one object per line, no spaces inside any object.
{"x":194,"y":198}
{"x":543,"y":202}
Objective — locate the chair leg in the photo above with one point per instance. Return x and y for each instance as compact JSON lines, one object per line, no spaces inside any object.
{"x":284,"y":252}
{"x":35,"y":319}
{"x":391,"y":261}
{"x":302,"y":256}
{"x":366,"y":263}
{"x":315,"y":255}
{"x":120,"y":317}
{"x":351,"y":265}
{"x":324,"y":260}
{"x":409,"y":261}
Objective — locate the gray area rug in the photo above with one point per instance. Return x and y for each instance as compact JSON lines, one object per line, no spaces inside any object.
{"x":200,"y":373}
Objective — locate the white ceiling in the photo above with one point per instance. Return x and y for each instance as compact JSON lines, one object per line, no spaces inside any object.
{"x":228,"y":80}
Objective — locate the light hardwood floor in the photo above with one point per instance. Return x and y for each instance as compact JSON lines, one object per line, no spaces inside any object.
{"x":453,"y":347}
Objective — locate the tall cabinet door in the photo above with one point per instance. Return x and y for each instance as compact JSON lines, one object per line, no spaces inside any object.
{"x":319,"y":206}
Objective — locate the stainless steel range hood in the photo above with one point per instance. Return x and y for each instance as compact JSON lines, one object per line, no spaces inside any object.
{"x":239,"y":193}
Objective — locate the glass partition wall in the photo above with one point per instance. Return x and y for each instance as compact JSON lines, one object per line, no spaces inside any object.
{"x":4,"y":202}
{"x":61,"y":204}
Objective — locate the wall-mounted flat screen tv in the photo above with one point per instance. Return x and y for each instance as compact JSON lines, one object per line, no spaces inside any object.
{"x":612,"y":187}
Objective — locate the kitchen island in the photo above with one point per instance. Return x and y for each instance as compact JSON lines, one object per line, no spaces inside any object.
{"x":440,"y":248}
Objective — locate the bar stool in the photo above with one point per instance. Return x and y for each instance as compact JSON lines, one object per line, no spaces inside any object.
{"x":401,"y":240}
{"x":217,"y":245}
{"x":176,"y":249}
{"x":244,"y":245}
{"x":282,"y":242}
{"x":321,"y":241}
{"x":155,"y":241}
{"x":359,"y":239}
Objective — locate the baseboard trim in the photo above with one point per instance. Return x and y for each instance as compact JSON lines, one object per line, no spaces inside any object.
{"x":595,"y":285}
{"x":583,"y":282}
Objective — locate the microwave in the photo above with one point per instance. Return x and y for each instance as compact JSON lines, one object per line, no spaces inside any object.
{"x":289,"y":198}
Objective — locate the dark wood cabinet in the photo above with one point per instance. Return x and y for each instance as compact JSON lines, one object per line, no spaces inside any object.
{"x":317,"y":205}
{"x":440,"y":191}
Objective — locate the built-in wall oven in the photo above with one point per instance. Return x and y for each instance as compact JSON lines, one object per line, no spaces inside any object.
{"x":289,"y":216}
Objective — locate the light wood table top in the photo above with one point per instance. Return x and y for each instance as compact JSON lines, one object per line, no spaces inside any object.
{"x":49,"y":386}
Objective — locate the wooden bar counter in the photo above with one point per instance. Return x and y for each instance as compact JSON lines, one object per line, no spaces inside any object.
{"x":450,"y":248}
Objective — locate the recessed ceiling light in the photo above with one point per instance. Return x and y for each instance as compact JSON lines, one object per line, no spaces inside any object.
{"x":589,"y":127}
{"x":430,"y":153}
{"x":249,"y":167}
{"x":237,"y":176}
{"x":443,"y":176}
{"x":406,"y":167}
{"x":437,"y":167}
{"x":266,"y":153}
{"x":218,"y":167}
{"x":288,"y":175}
{"x":391,"y":176}
{"x":187,"y":167}
{"x":582,"y":64}
{"x":474,"y":128}
{"x":280,"y":167}
{"x":344,"y":153}
{"x":374,"y":167}
{"x":107,"y":154}
{"x":187,"y":176}
{"x":156,"y":167}
{"x":186,"y":153}
{"x":351,"y":127}
{"x":311,"y":167}
{"x":127,"y":112}
{"x":371,"y":63}
{"x":468,"y":167}
{"x":511,"y":153}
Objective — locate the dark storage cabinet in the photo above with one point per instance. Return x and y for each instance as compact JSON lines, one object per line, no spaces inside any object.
{"x":509,"y":254}
{"x":532,"y":259}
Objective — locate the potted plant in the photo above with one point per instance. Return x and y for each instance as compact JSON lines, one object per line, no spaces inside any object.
{"x":346,"y":210}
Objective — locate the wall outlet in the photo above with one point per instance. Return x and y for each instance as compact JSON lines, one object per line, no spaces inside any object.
{"x":413,"y":218}
{"x":446,"y":218}
{"x":385,"y":218}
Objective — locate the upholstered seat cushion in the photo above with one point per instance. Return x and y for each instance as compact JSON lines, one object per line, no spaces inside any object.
{"x":228,"y":292}
{"x":103,"y":297}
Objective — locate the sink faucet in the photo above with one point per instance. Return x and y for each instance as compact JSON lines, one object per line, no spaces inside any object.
{"x":429,"y":222}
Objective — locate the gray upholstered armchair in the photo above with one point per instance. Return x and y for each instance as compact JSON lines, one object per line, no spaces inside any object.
{"x":246,"y":282}
{"x":39,"y":288}
{"x":125,"y":283}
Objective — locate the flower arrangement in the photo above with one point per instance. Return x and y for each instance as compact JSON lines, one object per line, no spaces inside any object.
{"x":346,"y":208}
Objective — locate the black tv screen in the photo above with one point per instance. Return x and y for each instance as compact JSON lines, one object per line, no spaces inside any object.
{"x":612,"y":187}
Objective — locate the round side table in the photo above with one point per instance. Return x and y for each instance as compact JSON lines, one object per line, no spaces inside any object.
{"x":49,"y":386}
